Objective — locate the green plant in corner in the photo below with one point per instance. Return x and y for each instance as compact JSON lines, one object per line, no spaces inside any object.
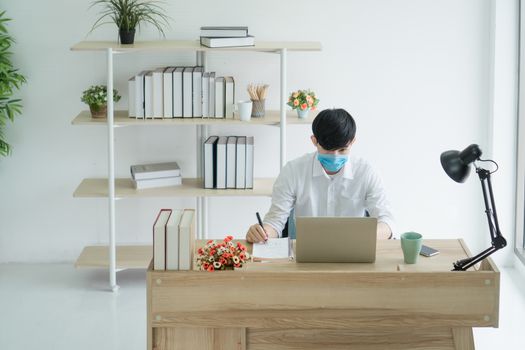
{"x":129,"y":14}
{"x":10,"y":80}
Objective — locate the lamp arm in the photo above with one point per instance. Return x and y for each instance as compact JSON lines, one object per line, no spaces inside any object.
{"x":497,"y":240}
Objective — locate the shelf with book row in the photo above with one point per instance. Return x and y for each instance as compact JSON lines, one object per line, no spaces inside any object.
{"x":194,"y":45}
{"x":190,"y":187}
{"x":116,"y":257}
{"x":122,"y":118}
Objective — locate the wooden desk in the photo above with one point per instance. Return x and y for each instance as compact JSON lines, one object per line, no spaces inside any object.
{"x":385,"y":305}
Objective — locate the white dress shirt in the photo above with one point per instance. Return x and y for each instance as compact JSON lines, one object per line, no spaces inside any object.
{"x":304,"y":185}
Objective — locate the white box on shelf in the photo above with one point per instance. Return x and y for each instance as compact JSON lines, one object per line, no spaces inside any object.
{"x":177,"y":92}
{"x":231,"y":148}
{"x":197,"y":92}
{"x":221,"y":162}
{"x":131,"y":98}
{"x":219,"y":97}
{"x":158,"y":93}
{"x":167,"y":80}
{"x":187,"y":92}
{"x":240,"y":178}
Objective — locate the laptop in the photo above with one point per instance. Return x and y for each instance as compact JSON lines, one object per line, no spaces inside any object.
{"x":336,"y":239}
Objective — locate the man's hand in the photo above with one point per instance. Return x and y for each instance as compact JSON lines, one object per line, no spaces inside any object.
{"x":383,"y":231}
{"x":256,"y":233}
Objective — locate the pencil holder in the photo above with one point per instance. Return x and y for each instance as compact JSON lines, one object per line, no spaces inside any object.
{"x":258,"y":108}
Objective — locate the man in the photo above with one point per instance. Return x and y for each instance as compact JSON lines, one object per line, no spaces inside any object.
{"x":327,"y":182}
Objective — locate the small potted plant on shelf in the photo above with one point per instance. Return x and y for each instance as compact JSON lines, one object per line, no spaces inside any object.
{"x":96,"y":98}
{"x":225,"y":255}
{"x":129,"y":14}
{"x":303,"y":101}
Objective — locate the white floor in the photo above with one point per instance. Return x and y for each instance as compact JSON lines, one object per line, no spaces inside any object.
{"x":54,"y":306}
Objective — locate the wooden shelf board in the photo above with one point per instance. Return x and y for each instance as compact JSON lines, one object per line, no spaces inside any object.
{"x":194,"y":45}
{"x":98,"y":188}
{"x":121,"y":118}
{"x":131,"y":257}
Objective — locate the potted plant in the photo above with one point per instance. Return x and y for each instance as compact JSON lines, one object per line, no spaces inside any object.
{"x":303,"y":101}
{"x":10,"y":81}
{"x":96,"y":98}
{"x":128,"y":14}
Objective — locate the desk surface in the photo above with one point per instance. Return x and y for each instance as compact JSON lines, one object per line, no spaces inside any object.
{"x":389,"y":258}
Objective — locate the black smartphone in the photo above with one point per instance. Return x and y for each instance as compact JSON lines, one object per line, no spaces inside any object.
{"x":427,"y":251}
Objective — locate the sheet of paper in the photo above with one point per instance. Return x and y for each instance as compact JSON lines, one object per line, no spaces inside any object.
{"x":274,"y":248}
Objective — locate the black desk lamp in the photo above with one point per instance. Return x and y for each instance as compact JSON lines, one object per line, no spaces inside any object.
{"x":457,"y":165}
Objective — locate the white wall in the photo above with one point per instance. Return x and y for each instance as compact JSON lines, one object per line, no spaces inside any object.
{"x":414,"y":74}
{"x":503,"y":121}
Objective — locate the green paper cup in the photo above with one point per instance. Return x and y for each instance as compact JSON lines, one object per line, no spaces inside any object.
{"x":411,"y":245}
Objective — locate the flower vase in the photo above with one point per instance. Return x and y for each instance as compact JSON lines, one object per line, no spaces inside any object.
{"x":98,"y":111}
{"x":303,"y":113}
{"x":228,"y":267}
{"x":127,"y":36}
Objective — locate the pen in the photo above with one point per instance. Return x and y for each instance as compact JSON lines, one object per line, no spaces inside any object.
{"x":260,"y":223}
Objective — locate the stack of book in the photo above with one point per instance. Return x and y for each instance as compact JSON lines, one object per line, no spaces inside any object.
{"x":174,"y":239}
{"x":226,"y":37}
{"x":180,"y":92}
{"x":155,"y":175}
{"x":228,"y":162}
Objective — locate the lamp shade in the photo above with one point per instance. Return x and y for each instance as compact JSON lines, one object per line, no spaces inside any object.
{"x":457,"y":164}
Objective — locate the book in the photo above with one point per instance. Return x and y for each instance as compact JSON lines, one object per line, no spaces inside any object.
{"x":167,"y":88}
{"x":218,"y":32}
{"x":210,"y":157}
{"x":249,"y":162}
{"x":197,"y":92}
{"x":158,"y":92}
{"x":229,"y":97}
{"x":159,"y":239}
{"x":139,"y":94}
{"x":160,"y":182}
{"x":177,"y":92}
{"x":148,"y":95}
{"x":231,"y":148}
{"x":221,"y":162}
{"x":240,"y":177}
{"x":219,"y":97}
{"x":227,"y":42}
{"x":155,"y":170}
{"x":211,"y":102}
{"x":172,"y":240}
{"x":205,"y":95}
{"x":186,"y":239}
{"x":131,"y":98}
{"x":187,"y":92}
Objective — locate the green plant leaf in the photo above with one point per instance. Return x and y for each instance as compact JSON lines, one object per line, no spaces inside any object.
{"x":10,"y":80}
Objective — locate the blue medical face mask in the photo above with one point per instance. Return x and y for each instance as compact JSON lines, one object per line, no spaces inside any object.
{"x":332,"y":162}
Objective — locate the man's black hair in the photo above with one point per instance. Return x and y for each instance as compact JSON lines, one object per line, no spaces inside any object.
{"x":334,"y":128}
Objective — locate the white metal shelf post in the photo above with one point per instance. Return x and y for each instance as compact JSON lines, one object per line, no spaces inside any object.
{"x":203,"y":136}
{"x":282,"y":106}
{"x":111,"y":174}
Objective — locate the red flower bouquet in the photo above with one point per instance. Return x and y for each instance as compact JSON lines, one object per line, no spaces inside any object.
{"x":224,"y":255}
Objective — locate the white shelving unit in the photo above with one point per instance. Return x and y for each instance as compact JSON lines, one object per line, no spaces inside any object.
{"x":120,"y":257}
